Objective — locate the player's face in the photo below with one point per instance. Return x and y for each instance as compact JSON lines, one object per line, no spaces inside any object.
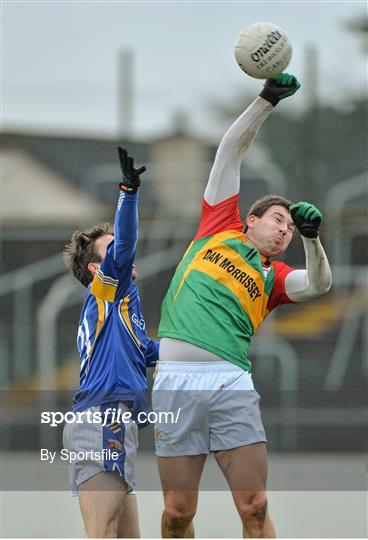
{"x":101,"y":245}
{"x":271,"y":234}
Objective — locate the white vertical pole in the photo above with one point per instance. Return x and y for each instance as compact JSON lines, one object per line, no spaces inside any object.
{"x":126,"y":93}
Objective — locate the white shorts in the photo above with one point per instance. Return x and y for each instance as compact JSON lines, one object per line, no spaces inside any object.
{"x":215,"y":404}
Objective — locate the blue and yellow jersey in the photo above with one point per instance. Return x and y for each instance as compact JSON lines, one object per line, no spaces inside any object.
{"x":112,"y":341}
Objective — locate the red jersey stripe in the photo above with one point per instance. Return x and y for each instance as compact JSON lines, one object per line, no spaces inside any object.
{"x":216,"y":218}
{"x":278,"y":295}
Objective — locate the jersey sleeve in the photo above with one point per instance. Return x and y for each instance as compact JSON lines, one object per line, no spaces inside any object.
{"x":152,"y":352}
{"x":113,"y":278}
{"x":216,"y":218}
{"x":278,"y":295}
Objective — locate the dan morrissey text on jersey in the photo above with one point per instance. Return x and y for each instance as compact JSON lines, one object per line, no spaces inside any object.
{"x":243,"y":278}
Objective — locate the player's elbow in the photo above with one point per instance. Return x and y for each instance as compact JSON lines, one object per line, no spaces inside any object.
{"x":321,"y":286}
{"x":228,"y":149}
{"x":320,"y":280}
{"x":328,"y":283}
{"x":325,"y":281}
{"x":311,"y":291}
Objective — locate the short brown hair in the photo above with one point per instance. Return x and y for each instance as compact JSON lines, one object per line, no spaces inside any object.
{"x":81,"y":251}
{"x":260,"y":206}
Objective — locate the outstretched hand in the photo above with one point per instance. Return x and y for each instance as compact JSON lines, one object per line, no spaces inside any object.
{"x":280,"y":87}
{"x":130,"y":176}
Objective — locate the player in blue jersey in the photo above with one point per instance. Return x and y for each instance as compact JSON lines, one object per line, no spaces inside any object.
{"x":114,"y":353}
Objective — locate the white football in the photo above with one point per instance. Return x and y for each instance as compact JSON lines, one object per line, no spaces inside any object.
{"x":263,"y":50}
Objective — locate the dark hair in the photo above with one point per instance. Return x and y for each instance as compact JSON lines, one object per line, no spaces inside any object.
{"x":260,"y":206}
{"x":81,"y":251}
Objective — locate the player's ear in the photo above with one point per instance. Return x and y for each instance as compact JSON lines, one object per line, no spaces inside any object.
{"x":93,"y":267}
{"x":251,"y":221}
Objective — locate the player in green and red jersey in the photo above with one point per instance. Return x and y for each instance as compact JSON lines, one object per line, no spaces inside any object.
{"x":224,"y":287}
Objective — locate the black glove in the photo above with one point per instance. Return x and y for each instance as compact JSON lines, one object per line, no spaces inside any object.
{"x":280,"y":87}
{"x":130,"y":176}
{"x":307,"y":218}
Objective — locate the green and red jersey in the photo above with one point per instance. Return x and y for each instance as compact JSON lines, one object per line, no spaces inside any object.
{"x":222,"y":289}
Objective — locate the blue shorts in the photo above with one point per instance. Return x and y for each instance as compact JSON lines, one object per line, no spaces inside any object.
{"x":95,"y":447}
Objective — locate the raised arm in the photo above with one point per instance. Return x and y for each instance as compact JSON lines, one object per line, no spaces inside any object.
{"x":114,"y":276}
{"x":125,"y":229}
{"x":126,"y":217}
{"x":316,"y":279}
{"x":224,"y":180}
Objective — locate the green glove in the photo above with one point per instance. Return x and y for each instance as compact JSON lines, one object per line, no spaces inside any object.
{"x":307,"y":218}
{"x":280,"y":87}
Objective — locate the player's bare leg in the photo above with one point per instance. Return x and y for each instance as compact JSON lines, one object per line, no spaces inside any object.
{"x":180,"y":477}
{"x":245,"y":469}
{"x":101,"y":500}
{"x":128,"y":526}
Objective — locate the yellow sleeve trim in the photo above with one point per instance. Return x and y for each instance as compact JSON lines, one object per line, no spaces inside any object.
{"x":125,"y":313}
{"x":101,"y":316}
{"x":102,"y":290}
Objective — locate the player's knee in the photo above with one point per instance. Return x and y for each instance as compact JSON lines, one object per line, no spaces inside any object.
{"x":178,"y":517}
{"x":254,"y":510}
